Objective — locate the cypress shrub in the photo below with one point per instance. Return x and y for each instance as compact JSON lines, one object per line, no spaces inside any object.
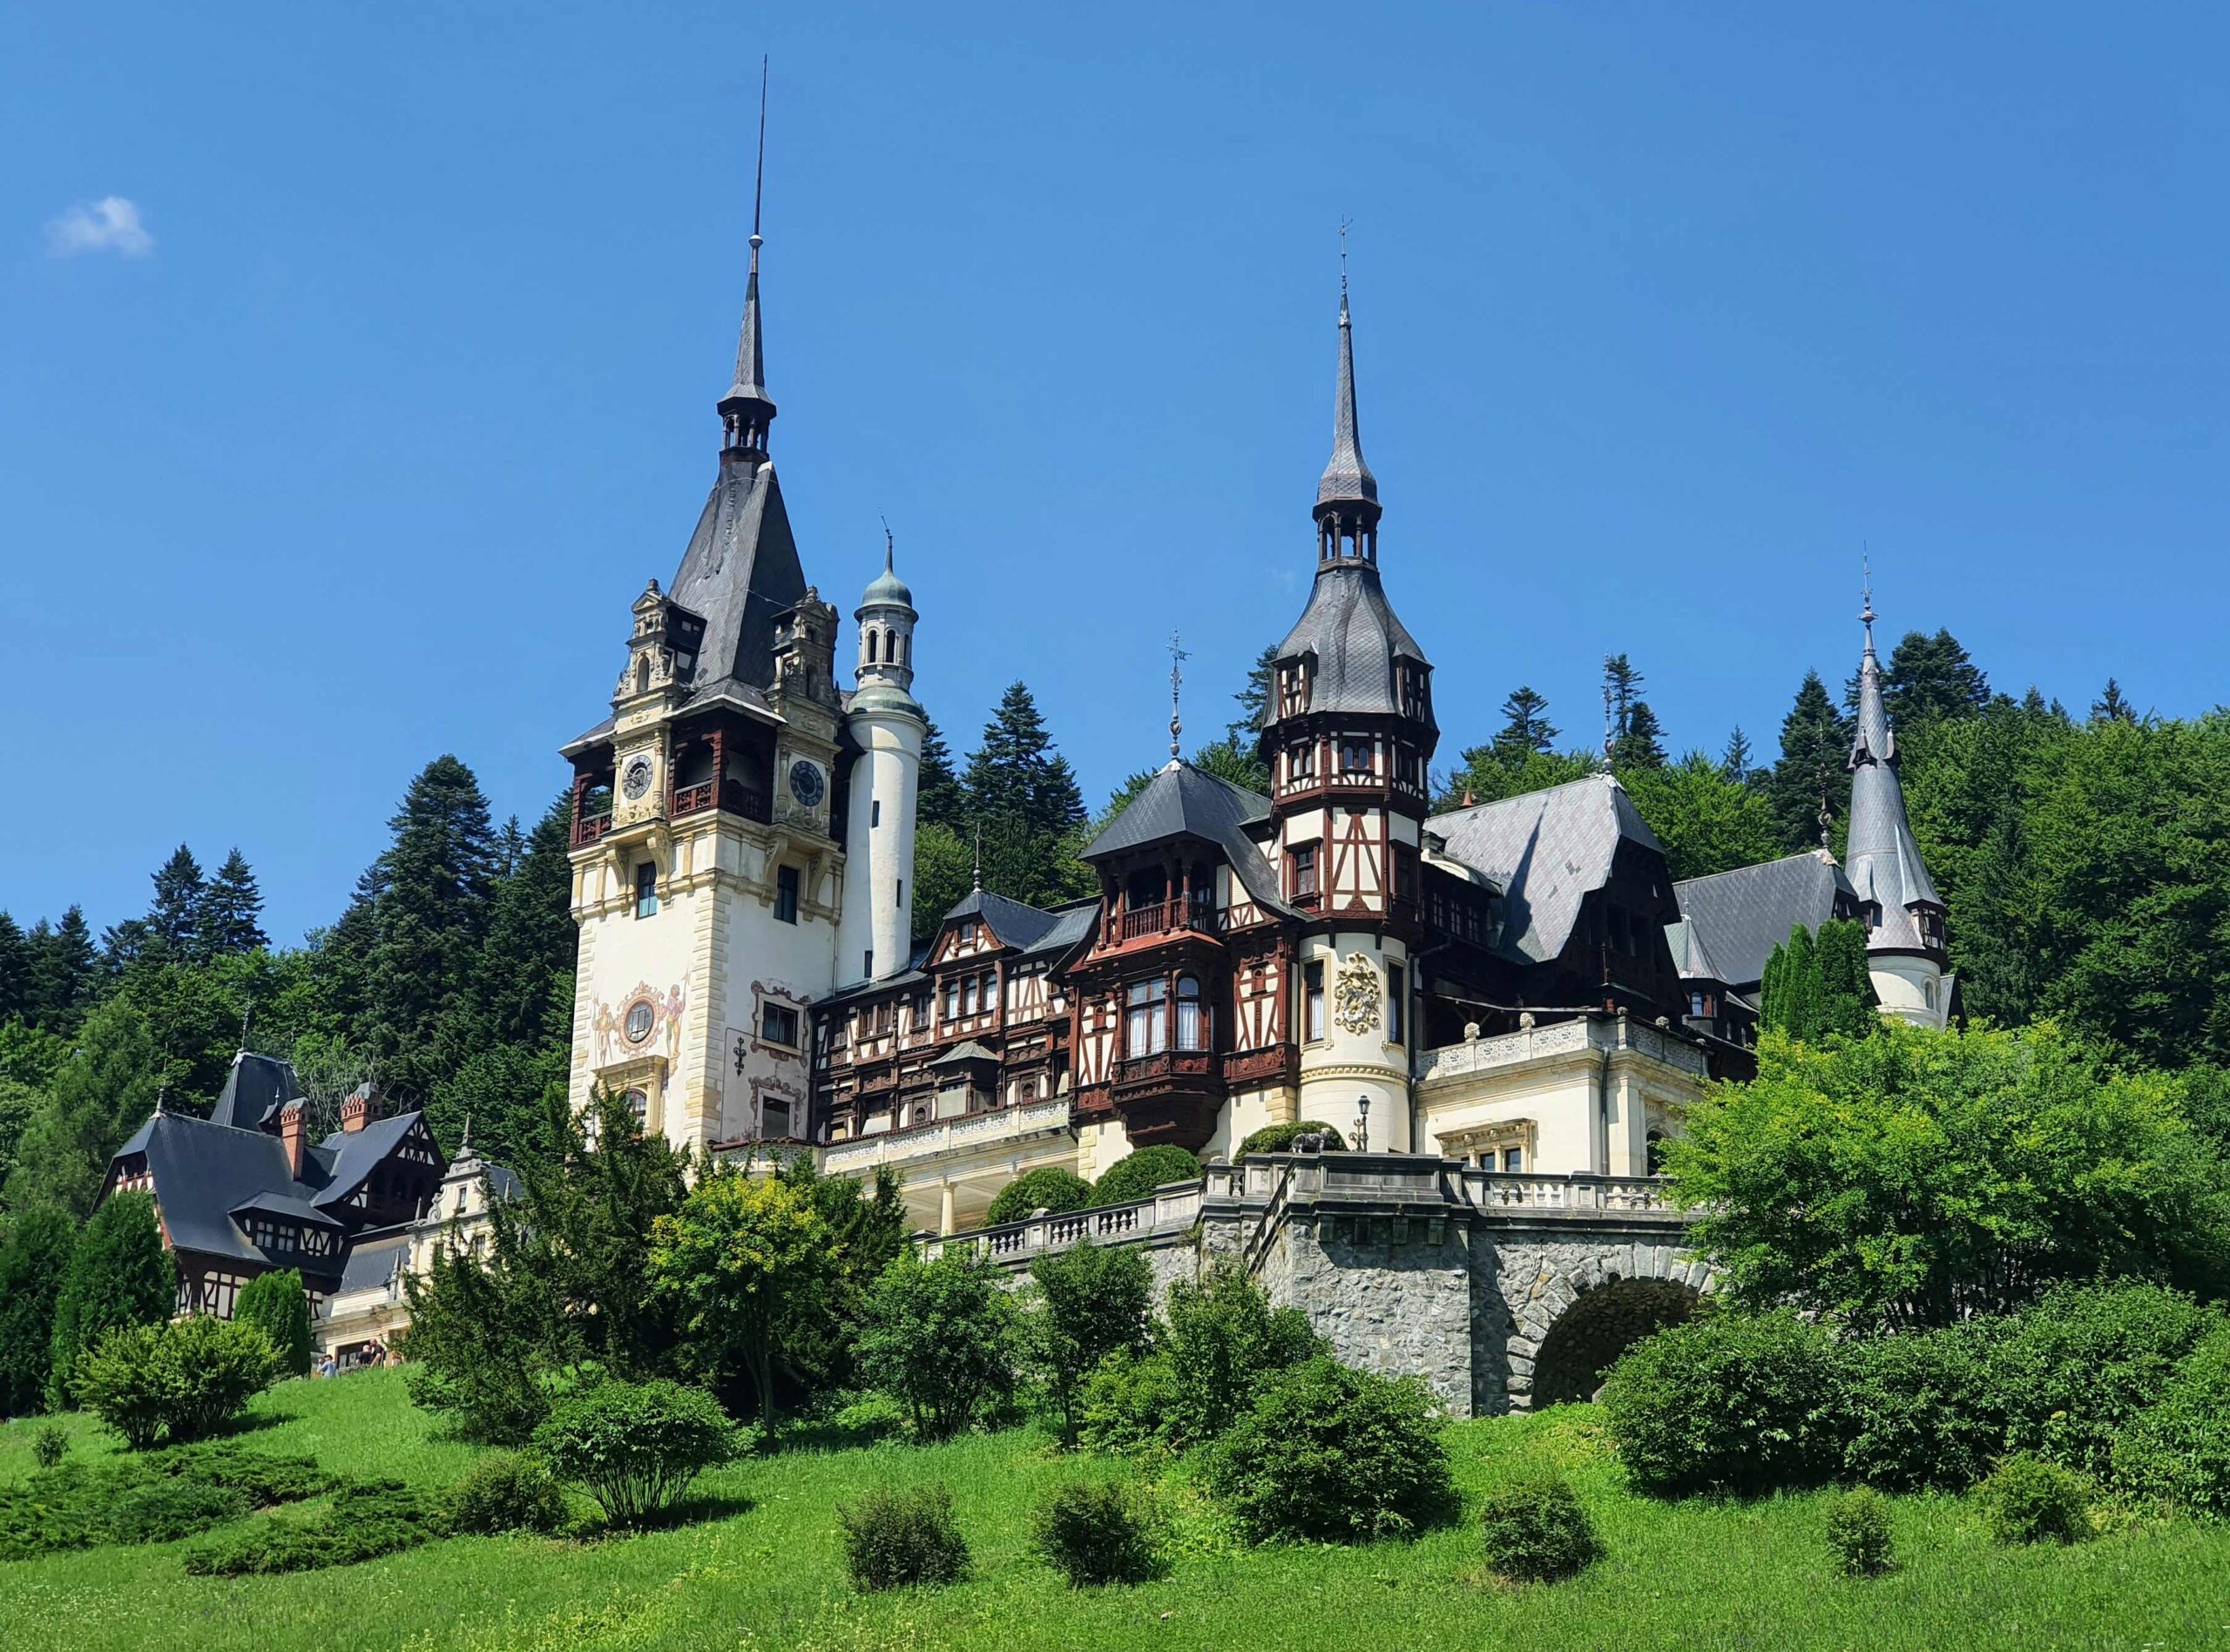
{"x":276,"y":1305}
{"x":119,"y":1275}
{"x":34,"y":1261}
{"x":1536,"y":1530}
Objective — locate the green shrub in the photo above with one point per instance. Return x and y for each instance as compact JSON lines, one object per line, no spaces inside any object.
{"x":2084,"y":1359}
{"x":506,"y":1492}
{"x":1091,"y":1301}
{"x":1858,"y":1532}
{"x":1331,"y":1455}
{"x":34,"y":1263}
{"x":902,"y":1538}
{"x":50,"y":1443}
{"x":2177,"y":1448}
{"x":1920,"y":1409}
{"x":1095,"y":1535}
{"x":1730,"y":1402}
{"x":164,"y":1510}
{"x":940,"y":1339}
{"x":635,"y":1447}
{"x":1048,"y":1188}
{"x":276,"y":1305}
{"x":1536,"y":1530}
{"x":1225,"y":1342}
{"x":1138,"y":1174}
{"x":1278,"y":1138}
{"x":2032,"y":1499}
{"x":263,"y":1478}
{"x":176,"y":1381}
{"x":119,"y":1275}
{"x":365,"y":1522}
{"x":1130,"y":1404}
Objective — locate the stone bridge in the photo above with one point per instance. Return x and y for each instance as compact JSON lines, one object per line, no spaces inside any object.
{"x":1503,"y":1291}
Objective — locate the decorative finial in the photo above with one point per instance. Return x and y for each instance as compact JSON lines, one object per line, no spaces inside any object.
{"x":464,"y":1142}
{"x":759,"y":182}
{"x":1827,"y":815}
{"x":976,"y":875}
{"x":889,"y":546}
{"x":246,"y":1014}
{"x":1865,"y":608}
{"x":1609,"y":731}
{"x":1177,"y":658}
{"x":1344,"y":222}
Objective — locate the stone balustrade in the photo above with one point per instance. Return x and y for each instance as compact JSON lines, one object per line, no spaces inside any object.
{"x":946,"y":1136}
{"x":1591,"y":1033}
{"x":1168,"y":1211}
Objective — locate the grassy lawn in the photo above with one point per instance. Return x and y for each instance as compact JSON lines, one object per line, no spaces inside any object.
{"x":1690,"y":1575}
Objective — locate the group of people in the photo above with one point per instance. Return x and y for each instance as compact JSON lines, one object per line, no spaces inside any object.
{"x":372,"y":1353}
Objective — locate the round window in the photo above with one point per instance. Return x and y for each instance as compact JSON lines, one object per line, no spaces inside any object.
{"x":639,"y":1018}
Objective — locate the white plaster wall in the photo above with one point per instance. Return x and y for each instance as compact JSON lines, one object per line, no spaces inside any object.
{"x":1904,"y":985}
{"x":1561,"y":1105}
{"x":1098,"y":1146}
{"x":1244,"y":1114}
{"x":764,"y":958}
{"x":1341,"y":1066}
{"x":878,"y":860}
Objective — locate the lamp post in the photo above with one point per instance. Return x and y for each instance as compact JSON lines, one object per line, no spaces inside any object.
{"x":1362,"y":1123}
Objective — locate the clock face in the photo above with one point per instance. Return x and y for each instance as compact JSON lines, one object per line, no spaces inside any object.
{"x":637,"y":780}
{"x":806,"y":783}
{"x":639,"y":1022}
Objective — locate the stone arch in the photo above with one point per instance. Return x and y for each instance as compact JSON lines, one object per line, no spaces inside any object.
{"x":1575,"y":1306}
{"x":1599,"y":1327}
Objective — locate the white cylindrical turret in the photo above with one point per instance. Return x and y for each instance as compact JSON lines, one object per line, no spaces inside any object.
{"x":876,"y":937}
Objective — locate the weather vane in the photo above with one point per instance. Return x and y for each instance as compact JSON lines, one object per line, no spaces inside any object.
{"x":1177,"y":658}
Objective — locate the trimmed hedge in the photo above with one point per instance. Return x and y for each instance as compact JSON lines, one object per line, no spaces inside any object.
{"x":1095,"y":1535}
{"x":1278,"y":1138}
{"x":1048,"y":1188}
{"x":1536,"y":1530}
{"x":1729,"y":1402}
{"x":1138,"y":1174}
{"x":902,"y":1538}
{"x":1331,"y":1455}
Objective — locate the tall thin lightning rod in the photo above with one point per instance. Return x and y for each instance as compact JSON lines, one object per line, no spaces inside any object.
{"x":1866,"y":607}
{"x":759,"y":181}
{"x":1177,"y":658}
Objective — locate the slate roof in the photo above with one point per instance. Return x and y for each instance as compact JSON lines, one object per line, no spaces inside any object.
{"x":1014,"y":922}
{"x":1183,"y":801}
{"x":350,"y":1155}
{"x":1346,"y":478}
{"x":375,"y":1258}
{"x":1072,"y":926}
{"x":204,"y":1171}
{"x":1736,"y":919}
{"x":1883,"y":861}
{"x":1547,"y":851}
{"x":287,"y":1205}
{"x":969,"y":1050}
{"x":256,"y":1089}
{"x":740,"y":571}
{"x":1353,"y":631}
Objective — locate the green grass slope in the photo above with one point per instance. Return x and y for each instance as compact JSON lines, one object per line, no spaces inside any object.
{"x":1688,"y":1575}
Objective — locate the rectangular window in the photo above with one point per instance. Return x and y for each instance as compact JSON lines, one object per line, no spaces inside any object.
{"x":875,"y":813}
{"x":786,"y":895}
{"x":866,"y":963}
{"x":1145,"y":1021}
{"x":971,"y":994}
{"x":1304,"y":868}
{"x":1312,"y":986}
{"x":1397,"y":996}
{"x":778,"y":1024}
{"x":991,"y":992}
{"x":1513,"y":1159}
{"x":646,"y":889}
{"x":901,"y":892}
{"x":968,"y":933}
{"x":952,"y":1000}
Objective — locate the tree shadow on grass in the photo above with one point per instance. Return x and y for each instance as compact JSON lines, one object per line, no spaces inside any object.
{"x":693,"y":1510}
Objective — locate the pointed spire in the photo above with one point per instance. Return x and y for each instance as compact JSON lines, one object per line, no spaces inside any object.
{"x":1882,"y":858}
{"x":1874,"y":742}
{"x":747,"y":410}
{"x":1347,"y":495}
{"x":1177,"y":658}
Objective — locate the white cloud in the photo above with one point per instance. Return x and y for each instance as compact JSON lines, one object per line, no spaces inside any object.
{"x":109,"y":225}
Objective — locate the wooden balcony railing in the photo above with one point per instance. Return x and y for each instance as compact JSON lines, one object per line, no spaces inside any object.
{"x":1166,"y":918}
{"x":688,"y":800}
{"x":1168,"y":1066}
{"x":590,"y":827}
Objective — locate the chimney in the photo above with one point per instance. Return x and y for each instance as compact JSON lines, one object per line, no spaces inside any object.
{"x":293,"y":1132}
{"x":360,"y":1110}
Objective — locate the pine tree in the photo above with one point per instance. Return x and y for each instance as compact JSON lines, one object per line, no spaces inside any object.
{"x":1734,"y":761}
{"x":96,"y":1099}
{"x":33,"y":1264}
{"x":2110,"y":707}
{"x":1024,"y":803}
{"x":1928,"y":678}
{"x":15,"y":970}
{"x":1789,"y":998}
{"x":119,"y":1275}
{"x":174,"y":921}
{"x":1814,"y":756}
{"x":428,"y":922}
{"x":942,"y":801}
{"x":1623,"y":683}
{"x":1254,"y":699}
{"x":531,"y":940}
{"x":1525,"y":723}
{"x":62,"y":973}
{"x":1641,"y":741}
{"x":231,"y":907}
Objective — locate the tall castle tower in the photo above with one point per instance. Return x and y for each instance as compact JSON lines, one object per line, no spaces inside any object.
{"x":1905,"y":951}
{"x":1347,"y":735}
{"x":710,"y":811}
{"x":888,"y":727}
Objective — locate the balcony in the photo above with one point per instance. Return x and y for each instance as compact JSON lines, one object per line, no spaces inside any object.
{"x":590,"y":827}
{"x":1166,"y":918}
{"x":730,"y":796}
{"x":1171,"y":1096}
{"x":946,"y":1136}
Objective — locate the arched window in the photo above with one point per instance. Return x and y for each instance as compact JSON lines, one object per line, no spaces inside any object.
{"x":1193,"y":1015}
{"x":643,"y":674}
{"x":1655,"y":1146}
{"x":1145,"y":1023}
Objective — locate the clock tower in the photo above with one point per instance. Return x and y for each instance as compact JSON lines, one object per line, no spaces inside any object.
{"x":708,"y":810}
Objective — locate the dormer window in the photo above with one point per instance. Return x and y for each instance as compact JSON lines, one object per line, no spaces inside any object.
{"x":1293,"y":689}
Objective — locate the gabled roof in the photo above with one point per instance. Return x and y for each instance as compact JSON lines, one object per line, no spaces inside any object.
{"x":961,"y":1054}
{"x":1547,"y":851}
{"x":350,"y":1155}
{"x":256,"y":1089}
{"x":205,"y":1171}
{"x":1352,"y":629}
{"x":375,"y":1258}
{"x":1182,"y":801}
{"x":1013,"y":922}
{"x":287,"y":1204}
{"x":1072,"y":926}
{"x":1737,"y":918}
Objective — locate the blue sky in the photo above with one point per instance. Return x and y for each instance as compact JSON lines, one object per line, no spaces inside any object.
{"x":348,"y":441}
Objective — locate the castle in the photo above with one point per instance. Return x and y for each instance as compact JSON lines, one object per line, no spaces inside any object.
{"x":1520,"y":986}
